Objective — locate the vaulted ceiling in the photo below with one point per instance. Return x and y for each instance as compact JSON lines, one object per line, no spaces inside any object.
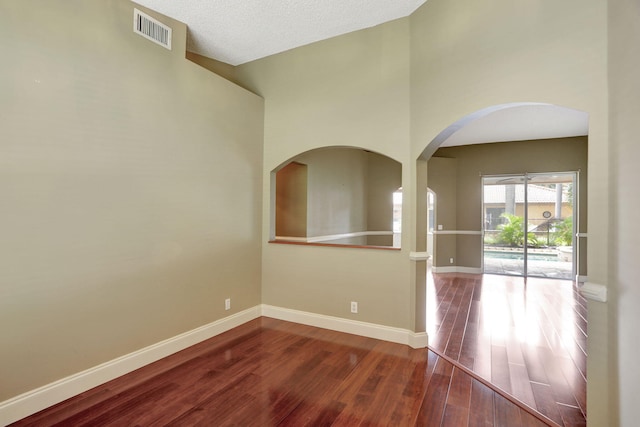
{"x":240,"y":31}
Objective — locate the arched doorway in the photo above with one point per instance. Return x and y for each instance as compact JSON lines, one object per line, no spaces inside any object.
{"x":491,"y":324}
{"x":507,"y":139}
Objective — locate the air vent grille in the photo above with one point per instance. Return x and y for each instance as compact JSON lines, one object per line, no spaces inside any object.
{"x":151,"y":29}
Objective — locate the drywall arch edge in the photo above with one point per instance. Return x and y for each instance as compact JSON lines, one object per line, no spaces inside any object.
{"x":456,"y":126}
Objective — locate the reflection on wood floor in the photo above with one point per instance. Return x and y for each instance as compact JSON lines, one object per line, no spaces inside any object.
{"x":273,"y":373}
{"x":527,"y":337}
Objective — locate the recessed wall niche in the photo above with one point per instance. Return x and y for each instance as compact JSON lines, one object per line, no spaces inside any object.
{"x":337,"y":196}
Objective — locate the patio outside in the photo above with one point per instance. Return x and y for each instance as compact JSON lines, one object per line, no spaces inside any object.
{"x":533,"y":212}
{"x":541,"y":263}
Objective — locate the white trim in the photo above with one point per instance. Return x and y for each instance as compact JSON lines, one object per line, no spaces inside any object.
{"x":581,"y":279}
{"x":371,"y":330}
{"x":472,"y":232}
{"x":419,"y":256}
{"x":29,"y":403}
{"x":33,"y":401}
{"x":594,"y":291}
{"x":291,"y":239}
{"x":318,"y":239}
{"x":418,"y":340}
{"x":581,"y":235}
{"x":470,"y":270}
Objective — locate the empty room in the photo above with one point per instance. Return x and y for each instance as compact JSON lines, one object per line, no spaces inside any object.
{"x":282,"y":213}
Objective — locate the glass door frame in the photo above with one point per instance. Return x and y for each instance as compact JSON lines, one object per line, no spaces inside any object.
{"x":526,"y":177}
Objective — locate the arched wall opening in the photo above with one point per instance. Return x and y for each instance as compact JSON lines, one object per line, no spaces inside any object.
{"x":502,"y":139}
{"x":336,"y":196}
{"x":519,"y":121}
{"x":452,"y":164}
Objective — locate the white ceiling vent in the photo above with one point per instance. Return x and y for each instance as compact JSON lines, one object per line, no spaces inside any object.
{"x":151,"y":29}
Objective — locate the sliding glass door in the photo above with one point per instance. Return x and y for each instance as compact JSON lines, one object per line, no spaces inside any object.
{"x":529,"y":225}
{"x":503,"y":208}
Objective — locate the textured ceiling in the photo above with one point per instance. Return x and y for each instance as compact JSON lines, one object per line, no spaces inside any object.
{"x":239,"y":31}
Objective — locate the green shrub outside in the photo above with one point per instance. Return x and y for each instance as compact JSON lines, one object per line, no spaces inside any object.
{"x":563,"y":232}
{"x":512,"y":232}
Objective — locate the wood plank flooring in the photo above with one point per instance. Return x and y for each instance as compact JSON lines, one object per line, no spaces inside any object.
{"x":273,"y":373}
{"x":528,"y":338}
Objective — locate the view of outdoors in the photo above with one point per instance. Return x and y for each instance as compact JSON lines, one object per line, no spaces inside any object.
{"x":528,"y":225}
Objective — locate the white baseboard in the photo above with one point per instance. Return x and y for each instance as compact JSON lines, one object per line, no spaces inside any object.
{"x":371,"y":330}
{"x":43,"y":397}
{"x":36,"y":400}
{"x":455,"y":269}
{"x":594,"y":291}
{"x":418,"y":339}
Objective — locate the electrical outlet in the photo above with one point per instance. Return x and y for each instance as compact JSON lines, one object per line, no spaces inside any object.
{"x":227,"y":304}
{"x":450,"y":260}
{"x":354,"y":307}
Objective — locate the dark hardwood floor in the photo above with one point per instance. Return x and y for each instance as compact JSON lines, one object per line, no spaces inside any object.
{"x":269,"y":372}
{"x":526,"y":337}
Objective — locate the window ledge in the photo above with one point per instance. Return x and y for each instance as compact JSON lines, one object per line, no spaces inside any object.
{"x":335,"y":245}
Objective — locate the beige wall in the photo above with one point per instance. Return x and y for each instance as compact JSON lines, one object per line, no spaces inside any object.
{"x":474,"y":161}
{"x":384,"y":177}
{"x":443,"y":181}
{"x":352,"y":90}
{"x":624,"y":292}
{"x":468,"y":55}
{"x":336,"y":188}
{"x":148,"y":239}
{"x":222,"y":69}
{"x":131,"y":190}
